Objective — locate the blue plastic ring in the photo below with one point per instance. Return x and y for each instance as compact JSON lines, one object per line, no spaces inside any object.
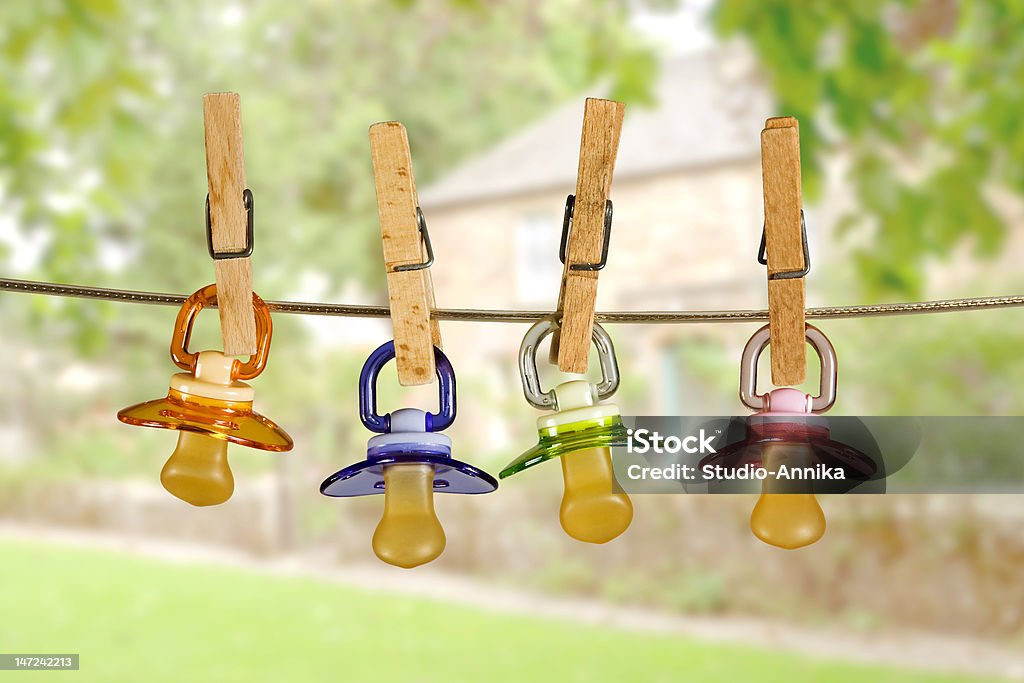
{"x":381,"y":424}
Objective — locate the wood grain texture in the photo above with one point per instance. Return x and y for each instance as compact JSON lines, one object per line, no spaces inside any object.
{"x":599,"y":145}
{"x":225,"y":172}
{"x":780,"y":167}
{"x":410,"y":292}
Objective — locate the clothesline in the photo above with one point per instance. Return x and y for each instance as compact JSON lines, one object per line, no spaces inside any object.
{"x":528,"y":316}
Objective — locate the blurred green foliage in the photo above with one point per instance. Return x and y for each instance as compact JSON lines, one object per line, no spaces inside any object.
{"x":101,"y":123}
{"x":922,"y":95}
{"x":101,"y":102}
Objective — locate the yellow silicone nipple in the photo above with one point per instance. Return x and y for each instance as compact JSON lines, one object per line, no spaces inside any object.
{"x":591,"y":511}
{"x":197,"y":471}
{"x":409,"y":533}
{"x":786,"y":520}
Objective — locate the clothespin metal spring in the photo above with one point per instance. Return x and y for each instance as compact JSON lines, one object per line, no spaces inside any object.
{"x":244,"y":252}
{"x":762,"y":256}
{"x":570,"y":203}
{"x":422,"y":222}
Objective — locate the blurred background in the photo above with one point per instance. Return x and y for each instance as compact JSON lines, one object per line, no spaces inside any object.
{"x":913,"y":165}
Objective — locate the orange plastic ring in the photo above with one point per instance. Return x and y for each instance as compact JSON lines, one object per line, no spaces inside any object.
{"x":186,"y":360}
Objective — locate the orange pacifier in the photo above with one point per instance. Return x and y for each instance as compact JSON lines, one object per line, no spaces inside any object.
{"x":209,"y":407}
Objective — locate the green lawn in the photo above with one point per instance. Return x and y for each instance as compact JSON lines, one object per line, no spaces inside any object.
{"x":142,"y":620}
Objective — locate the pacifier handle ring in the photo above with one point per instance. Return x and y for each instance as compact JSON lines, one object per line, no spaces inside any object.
{"x":435,"y":422}
{"x":186,"y":360}
{"x":545,"y":400}
{"x":826,"y":355}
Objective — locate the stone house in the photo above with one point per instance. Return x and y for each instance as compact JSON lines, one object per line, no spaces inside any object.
{"x":687,"y":219}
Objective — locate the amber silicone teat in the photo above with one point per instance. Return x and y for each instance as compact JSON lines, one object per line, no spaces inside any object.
{"x":590,"y":511}
{"x":209,"y":408}
{"x":787,"y":520}
{"x":409,"y":533}
{"x":197,"y":471}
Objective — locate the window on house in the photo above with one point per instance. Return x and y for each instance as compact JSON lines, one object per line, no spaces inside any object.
{"x":538,"y":270}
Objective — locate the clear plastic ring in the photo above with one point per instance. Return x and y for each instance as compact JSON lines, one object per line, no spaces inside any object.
{"x":826,"y":354}
{"x":545,"y":400}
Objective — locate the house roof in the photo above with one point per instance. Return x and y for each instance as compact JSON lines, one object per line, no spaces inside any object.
{"x":709,"y":108}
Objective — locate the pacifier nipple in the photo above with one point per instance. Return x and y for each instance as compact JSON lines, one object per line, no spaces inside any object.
{"x":591,"y":511}
{"x":409,"y":533}
{"x":197,"y":471}
{"x":786,"y":520}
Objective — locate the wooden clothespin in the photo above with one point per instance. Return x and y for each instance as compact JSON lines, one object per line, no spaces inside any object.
{"x":784,"y":249}
{"x":407,"y":254}
{"x":586,"y":245}
{"x":229,"y":221}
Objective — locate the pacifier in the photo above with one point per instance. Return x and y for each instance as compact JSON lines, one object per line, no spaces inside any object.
{"x":789,"y":439}
{"x":581,"y":432}
{"x":408,"y":460}
{"x":209,"y":408}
